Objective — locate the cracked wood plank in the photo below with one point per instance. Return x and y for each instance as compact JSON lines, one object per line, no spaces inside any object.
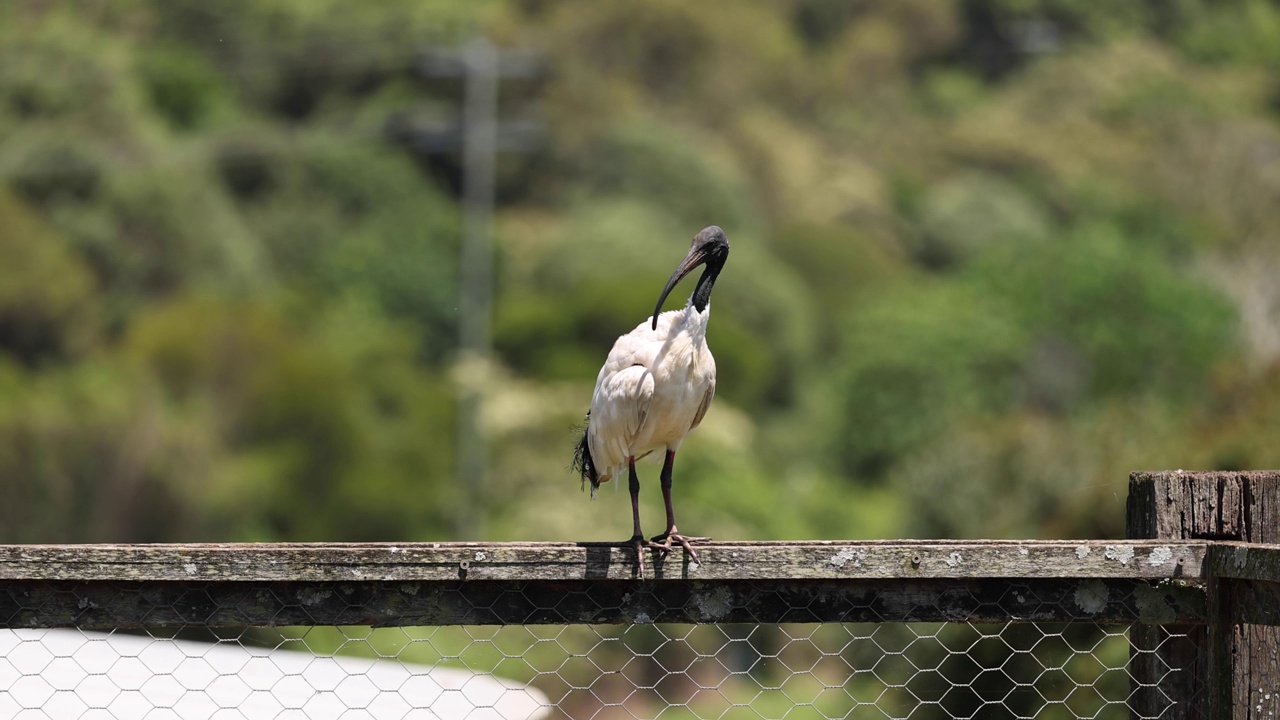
{"x":1231,"y":666}
{"x":104,"y":586}
{"x":473,"y":562}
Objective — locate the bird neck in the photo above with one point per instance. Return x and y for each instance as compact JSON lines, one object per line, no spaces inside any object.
{"x":692,"y":323}
{"x":702,"y":293}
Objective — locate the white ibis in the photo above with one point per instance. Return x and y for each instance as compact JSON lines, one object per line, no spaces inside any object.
{"x":655,"y":388}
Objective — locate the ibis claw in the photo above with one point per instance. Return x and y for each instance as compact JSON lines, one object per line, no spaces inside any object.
{"x":667,"y":541}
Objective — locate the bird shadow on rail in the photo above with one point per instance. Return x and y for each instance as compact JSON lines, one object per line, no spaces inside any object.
{"x":601,"y":557}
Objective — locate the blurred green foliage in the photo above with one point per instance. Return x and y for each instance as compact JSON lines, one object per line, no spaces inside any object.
{"x":989,"y":256}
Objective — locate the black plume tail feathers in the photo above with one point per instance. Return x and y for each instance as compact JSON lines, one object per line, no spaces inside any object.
{"x":583,"y":465}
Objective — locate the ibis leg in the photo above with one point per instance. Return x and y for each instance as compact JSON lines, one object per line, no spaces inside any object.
{"x":672,"y":537}
{"x":637,"y":538}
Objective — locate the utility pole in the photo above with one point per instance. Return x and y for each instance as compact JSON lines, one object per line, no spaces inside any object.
{"x":475,"y":309}
{"x":479,"y":137}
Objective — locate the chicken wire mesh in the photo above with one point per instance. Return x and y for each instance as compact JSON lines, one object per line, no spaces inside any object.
{"x":581,"y":671}
{"x":237,"y":650}
{"x":670,"y":671}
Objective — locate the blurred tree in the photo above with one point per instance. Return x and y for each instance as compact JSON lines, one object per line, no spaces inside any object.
{"x":1003,"y":249}
{"x":340,"y":217}
{"x":1116,"y":309}
{"x":989,"y":256}
{"x":921,"y":357}
{"x":184,"y":87}
{"x":47,"y":294}
{"x":321,"y":421}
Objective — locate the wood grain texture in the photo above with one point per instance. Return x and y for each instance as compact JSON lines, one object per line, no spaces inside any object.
{"x":1234,"y":669}
{"x":1177,"y":504}
{"x":1244,"y":561}
{"x":482,"y":583}
{"x":441,"y":562}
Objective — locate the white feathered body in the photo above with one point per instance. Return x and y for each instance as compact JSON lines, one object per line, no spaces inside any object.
{"x":654,"y":388}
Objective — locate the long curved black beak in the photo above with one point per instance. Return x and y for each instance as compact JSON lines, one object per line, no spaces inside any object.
{"x":696,"y":257}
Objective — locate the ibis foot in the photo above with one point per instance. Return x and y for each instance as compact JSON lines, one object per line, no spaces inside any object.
{"x":639,"y":544}
{"x":667,"y":542}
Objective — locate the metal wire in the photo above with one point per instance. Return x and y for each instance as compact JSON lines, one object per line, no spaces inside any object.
{"x":669,"y":671}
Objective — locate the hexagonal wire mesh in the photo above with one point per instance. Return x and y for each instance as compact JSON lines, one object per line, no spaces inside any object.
{"x":723,"y":671}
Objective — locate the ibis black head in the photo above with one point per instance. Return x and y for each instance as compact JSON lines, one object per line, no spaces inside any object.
{"x":711,"y":248}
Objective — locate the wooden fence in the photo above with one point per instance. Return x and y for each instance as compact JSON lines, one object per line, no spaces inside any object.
{"x":1197,"y":581}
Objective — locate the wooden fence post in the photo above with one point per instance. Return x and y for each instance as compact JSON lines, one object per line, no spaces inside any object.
{"x":1230,"y":669}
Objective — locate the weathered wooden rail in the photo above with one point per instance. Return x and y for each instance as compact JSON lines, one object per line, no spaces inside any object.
{"x":572,"y":562}
{"x":498,"y":583}
{"x":1234,"y":658}
{"x":1199,"y":583}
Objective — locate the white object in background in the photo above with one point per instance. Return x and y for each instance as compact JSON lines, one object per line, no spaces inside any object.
{"x":93,"y":676}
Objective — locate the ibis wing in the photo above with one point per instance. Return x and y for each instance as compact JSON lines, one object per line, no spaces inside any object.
{"x":618,"y":412}
{"x":702,"y":408}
